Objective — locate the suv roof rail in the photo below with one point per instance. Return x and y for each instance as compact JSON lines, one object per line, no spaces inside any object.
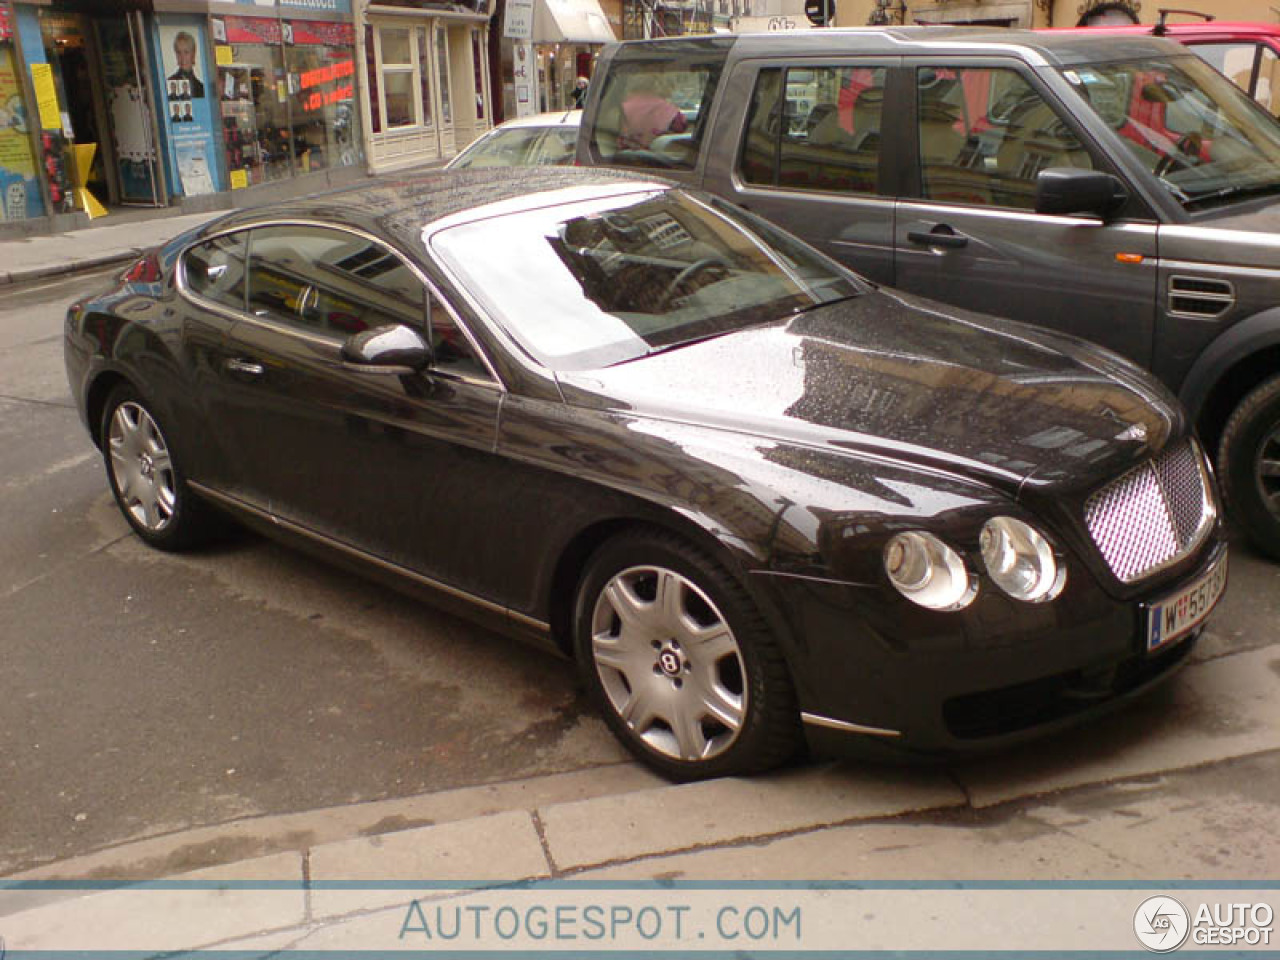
{"x":1160,"y":28}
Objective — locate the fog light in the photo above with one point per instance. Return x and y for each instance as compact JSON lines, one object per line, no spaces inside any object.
{"x":1020,"y":561}
{"x":928,"y":572}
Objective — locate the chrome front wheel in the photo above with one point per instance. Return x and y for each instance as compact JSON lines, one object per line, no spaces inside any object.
{"x":141,"y":467}
{"x":669,"y":663}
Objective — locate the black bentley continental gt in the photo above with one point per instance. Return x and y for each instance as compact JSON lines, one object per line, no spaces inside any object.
{"x":757,"y":499}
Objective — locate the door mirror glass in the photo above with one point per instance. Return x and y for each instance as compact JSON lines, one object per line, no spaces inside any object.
{"x":1068,"y":190}
{"x":393,"y":345}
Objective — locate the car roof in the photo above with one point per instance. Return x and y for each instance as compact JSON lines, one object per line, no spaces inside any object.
{"x":401,"y":208}
{"x":556,"y":118}
{"x":1213,"y":28}
{"x":1043,"y":48}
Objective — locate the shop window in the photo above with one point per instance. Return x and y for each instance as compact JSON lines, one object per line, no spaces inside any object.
{"x":424,"y":78}
{"x":253,"y":92}
{"x":19,"y":189}
{"x":442,"y":65}
{"x":397,"y":67}
{"x":322,"y":75}
{"x":477,"y":66}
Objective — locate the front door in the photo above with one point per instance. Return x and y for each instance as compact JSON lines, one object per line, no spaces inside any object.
{"x":972,"y":237}
{"x":386,"y":462}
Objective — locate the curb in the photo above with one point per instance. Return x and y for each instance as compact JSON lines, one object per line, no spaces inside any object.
{"x":69,"y":268}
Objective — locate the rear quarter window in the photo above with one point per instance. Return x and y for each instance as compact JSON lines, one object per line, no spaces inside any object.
{"x":654,"y":113}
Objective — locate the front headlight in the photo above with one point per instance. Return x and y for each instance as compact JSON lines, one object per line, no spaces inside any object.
{"x":928,"y":572}
{"x":1020,"y":561}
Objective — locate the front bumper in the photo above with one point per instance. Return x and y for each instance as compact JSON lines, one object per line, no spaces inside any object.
{"x":873,"y":681}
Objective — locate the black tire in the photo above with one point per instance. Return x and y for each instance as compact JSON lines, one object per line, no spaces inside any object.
{"x":1251,"y":439}
{"x":145,"y":476}
{"x":694,"y":686}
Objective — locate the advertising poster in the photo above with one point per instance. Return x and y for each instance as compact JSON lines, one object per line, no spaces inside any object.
{"x":19,"y":191}
{"x":187,"y":111}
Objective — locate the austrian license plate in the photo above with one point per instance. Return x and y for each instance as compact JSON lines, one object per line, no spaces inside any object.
{"x":1176,"y":615}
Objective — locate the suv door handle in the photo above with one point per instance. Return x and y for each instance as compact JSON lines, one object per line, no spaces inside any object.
{"x":939,"y":236}
{"x":236,"y":365}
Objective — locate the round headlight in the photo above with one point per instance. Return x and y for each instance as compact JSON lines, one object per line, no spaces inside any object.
{"x":1020,"y":560}
{"x":928,"y":572}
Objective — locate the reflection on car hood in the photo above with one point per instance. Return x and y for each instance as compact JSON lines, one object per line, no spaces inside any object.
{"x":896,"y":376}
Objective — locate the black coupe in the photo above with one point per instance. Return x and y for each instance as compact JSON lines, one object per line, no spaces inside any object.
{"x":757,"y":498}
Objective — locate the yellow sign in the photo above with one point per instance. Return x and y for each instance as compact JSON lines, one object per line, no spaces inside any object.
{"x":223,"y":55}
{"x":239,"y":179}
{"x":46,"y":96}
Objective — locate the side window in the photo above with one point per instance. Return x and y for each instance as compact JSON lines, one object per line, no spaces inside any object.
{"x":1234,"y":60}
{"x":985,"y":135}
{"x":336,"y":283}
{"x":816,"y":129}
{"x":653,"y":113}
{"x":1268,"y":89}
{"x":215,"y":270}
{"x":330,"y":282}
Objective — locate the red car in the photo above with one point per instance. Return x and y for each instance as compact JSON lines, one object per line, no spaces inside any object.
{"x":1248,"y":53}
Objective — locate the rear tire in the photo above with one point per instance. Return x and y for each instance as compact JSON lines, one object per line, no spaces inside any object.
{"x":680,"y":662}
{"x":1249,"y":466}
{"x":146,"y":478}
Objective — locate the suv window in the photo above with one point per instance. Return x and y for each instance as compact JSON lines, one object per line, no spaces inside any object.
{"x":985,"y":135}
{"x":815,"y":129}
{"x":215,"y":269}
{"x":652,"y":114}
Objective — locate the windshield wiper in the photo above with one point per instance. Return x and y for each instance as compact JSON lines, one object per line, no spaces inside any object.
{"x":1233,"y":192}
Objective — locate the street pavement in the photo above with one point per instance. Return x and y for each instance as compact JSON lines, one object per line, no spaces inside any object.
{"x":1185,"y":783}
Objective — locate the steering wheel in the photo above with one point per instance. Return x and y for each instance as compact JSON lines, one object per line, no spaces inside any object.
{"x":1187,"y":154}
{"x":687,"y":274}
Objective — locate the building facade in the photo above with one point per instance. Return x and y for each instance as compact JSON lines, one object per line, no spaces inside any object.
{"x":1030,"y":14}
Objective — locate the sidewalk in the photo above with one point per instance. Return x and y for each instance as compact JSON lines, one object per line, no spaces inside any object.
{"x":61,"y":254}
{"x":113,"y":241}
{"x":1184,"y":785}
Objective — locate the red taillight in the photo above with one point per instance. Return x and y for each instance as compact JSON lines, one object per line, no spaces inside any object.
{"x":145,"y":270}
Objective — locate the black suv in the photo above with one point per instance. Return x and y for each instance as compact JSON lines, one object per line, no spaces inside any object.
{"x":1116,"y":188}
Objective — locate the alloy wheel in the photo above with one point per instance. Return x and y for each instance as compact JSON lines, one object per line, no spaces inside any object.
{"x":141,"y":467}
{"x":669,"y":663}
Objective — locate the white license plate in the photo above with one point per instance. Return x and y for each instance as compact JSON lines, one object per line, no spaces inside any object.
{"x":1175,"y":615}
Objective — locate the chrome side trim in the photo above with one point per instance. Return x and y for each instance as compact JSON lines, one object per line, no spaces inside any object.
{"x":180,"y":277}
{"x":845,"y":727}
{"x":1215,"y":270}
{"x":236,"y":503}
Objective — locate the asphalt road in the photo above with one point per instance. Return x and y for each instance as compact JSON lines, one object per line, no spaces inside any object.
{"x":144,"y":693}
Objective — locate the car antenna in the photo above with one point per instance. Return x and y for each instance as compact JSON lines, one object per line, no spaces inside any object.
{"x":1161,"y":29}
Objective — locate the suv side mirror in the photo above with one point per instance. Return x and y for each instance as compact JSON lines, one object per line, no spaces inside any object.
{"x":1067,"y":190}
{"x":393,"y":345}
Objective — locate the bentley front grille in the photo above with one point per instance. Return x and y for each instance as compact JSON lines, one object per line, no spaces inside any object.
{"x":1154,"y":515}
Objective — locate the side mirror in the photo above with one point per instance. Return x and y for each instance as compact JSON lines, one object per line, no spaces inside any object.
{"x":393,"y":345}
{"x":1068,"y":190}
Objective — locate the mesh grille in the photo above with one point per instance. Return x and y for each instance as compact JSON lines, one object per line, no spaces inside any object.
{"x":1152,"y":515}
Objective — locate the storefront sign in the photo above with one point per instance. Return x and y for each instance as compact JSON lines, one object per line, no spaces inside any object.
{"x":518,"y":24}
{"x":322,"y":33}
{"x":254,"y":30}
{"x":19,"y":191}
{"x":6,"y":25}
{"x":326,"y":6}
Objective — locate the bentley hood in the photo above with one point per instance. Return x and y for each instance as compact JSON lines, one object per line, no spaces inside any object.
{"x":894,"y":376}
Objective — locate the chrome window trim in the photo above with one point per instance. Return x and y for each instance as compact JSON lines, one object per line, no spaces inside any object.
{"x":180,"y":282}
{"x":237,"y":504}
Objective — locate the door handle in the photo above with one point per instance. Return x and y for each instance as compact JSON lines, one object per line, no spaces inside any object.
{"x":939,"y":236}
{"x":237,"y":365}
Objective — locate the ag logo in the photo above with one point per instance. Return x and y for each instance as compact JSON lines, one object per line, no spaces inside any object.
{"x":1161,"y":924}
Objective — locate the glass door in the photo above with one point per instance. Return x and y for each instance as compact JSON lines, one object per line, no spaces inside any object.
{"x":134,"y":158}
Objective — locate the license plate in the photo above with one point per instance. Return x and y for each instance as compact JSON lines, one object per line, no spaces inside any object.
{"x":1176,"y":615}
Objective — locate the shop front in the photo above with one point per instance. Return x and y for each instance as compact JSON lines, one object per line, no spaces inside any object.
{"x":113,"y":103}
{"x":427,"y":89}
